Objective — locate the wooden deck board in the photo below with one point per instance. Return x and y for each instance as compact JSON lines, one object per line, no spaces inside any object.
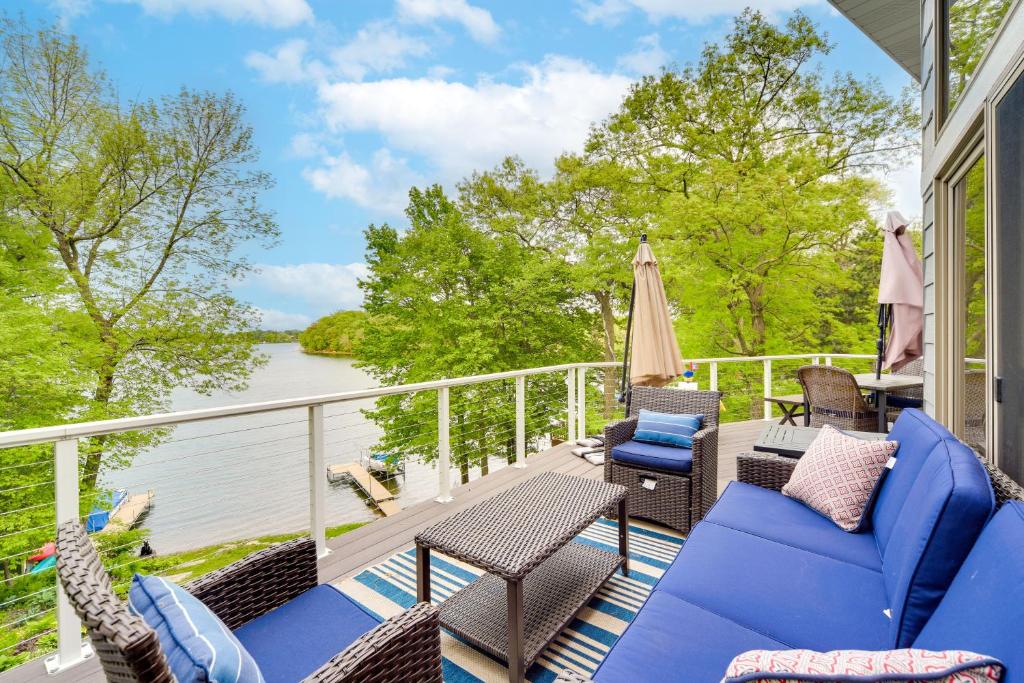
{"x":381,"y":539}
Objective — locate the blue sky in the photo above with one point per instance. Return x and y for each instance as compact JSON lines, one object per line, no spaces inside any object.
{"x":353,"y":101}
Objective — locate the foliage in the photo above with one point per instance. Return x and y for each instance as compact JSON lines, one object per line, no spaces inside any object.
{"x":335,"y":334}
{"x":272,"y":336}
{"x":141,"y":208}
{"x":972,"y":25}
{"x":446,"y":299}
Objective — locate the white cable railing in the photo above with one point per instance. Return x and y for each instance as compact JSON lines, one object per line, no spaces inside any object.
{"x":533,"y":408}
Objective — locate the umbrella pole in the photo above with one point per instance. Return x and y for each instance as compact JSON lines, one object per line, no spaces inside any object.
{"x":884,"y":315}
{"x":623,"y":398}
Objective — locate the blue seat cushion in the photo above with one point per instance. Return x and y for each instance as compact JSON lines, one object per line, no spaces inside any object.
{"x":983,"y":610}
{"x":673,"y":640}
{"x":942,"y":516}
{"x":917,"y":434}
{"x":773,"y":516}
{"x":667,"y":429}
{"x":197,"y":644}
{"x":800,"y":598}
{"x":296,"y":639}
{"x":670,"y":458}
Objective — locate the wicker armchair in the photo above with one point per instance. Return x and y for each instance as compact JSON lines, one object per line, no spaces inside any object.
{"x":835,"y":399}
{"x":404,"y":648}
{"x":679,"y":500}
{"x":974,"y":410}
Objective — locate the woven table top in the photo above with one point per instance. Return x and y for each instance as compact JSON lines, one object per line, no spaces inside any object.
{"x":514,"y":531}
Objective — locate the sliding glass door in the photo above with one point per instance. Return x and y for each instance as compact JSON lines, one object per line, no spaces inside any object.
{"x":1008,"y":182}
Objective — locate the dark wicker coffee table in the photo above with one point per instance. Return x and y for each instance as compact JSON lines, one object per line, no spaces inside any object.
{"x":537,"y":578}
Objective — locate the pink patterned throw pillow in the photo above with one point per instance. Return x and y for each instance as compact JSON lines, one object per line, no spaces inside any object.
{"x":837,"y":475}
{"x":905,"y":666}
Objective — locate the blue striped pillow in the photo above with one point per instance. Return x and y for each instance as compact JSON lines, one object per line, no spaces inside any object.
{"x":667,"y":429}
{"x":198,"y":646}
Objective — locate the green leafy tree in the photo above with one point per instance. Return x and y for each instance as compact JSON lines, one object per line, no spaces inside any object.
{"x":972,"y":24}
{"x":142,"y":207}
{"x":446,"y":299}
{"x":336,"y":334}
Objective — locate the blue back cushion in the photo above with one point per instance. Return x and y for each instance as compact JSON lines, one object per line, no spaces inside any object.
{"x":942,"y":515}
{"x":198,"y":646}
{"x":917,"y":435}
{"x":667,"y":429}
{"x":983,"y":611}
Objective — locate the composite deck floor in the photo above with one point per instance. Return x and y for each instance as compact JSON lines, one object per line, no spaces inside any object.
{"x":386,"y":536}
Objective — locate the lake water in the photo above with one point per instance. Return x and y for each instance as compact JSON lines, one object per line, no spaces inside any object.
{"x":241,"y":477}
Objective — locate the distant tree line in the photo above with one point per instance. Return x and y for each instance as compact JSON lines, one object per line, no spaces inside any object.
{"x":334,"y":334}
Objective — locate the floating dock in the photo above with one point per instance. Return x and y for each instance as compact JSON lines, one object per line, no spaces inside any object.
{"x":128,"y":512}
{"x":381,"y":497}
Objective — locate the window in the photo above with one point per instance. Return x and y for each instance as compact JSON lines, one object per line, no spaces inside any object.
{"x":969,"y":368}
{"x":968,"y":28}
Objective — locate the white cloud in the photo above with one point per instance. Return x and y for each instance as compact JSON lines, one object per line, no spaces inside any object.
{"x":459,"y":127}
{"x":476,"y":20}
{"x":286,"y":64}
{"x":905,"y":186}
{"x":612,"y":11}
{"x":324,"y":287}
{"x":382,"y":186}
{"x":69,"y":9}
{"x":376,"y":47}
{"x":647,"y":58}
{"x":273,"y":319}
{"x":276,"y":13}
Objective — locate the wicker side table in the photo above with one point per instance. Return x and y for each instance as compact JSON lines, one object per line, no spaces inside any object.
{"x":537,"y":578}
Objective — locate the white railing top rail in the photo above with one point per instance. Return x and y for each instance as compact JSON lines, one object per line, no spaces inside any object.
{"x":78,"y":430}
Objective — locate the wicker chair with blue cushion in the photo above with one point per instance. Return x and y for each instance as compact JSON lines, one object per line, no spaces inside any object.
{"x":268,"y":603}
{"x":668,"y":482}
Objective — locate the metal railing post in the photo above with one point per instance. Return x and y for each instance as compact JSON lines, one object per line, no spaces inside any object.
{"x":581,"y":403}
{"x":71,"y":649}
{"x":520,"y":421}
{"x":828,"y":360}
{"x":767,"y":390}
{"x":444,"y":448}
{"x":317,"y":480}
{"x":714,"y":376}
{"x":815,"y":360}
{"x":570,"y":424}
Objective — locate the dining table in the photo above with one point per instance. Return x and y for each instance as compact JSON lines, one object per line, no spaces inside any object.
{"x":882,"y":386}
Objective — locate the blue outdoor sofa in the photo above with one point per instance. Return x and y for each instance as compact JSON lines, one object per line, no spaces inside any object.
{"x":763,"y":571}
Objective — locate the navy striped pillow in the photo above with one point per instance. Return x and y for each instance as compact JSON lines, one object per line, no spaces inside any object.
{"x":667,"y":429}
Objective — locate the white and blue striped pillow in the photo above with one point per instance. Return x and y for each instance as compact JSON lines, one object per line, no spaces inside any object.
{"x":667,"y":429}
{"x":198,"y":646}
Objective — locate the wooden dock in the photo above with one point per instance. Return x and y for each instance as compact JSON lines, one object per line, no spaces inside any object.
{"x":381,"y":497}
{"x":128,"y":513}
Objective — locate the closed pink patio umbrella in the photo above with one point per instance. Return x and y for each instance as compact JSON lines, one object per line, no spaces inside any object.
{"x":900,"y":297}
{"x":651,"y":347}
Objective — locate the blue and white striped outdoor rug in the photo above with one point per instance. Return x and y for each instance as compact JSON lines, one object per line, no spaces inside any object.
{"x":389,"y":587}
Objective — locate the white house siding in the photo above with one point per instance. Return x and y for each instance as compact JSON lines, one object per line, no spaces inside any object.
{"x":928,"y":79}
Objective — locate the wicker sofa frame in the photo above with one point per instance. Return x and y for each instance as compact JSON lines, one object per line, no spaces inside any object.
{"x":404,"y":648}
{"x":680,"y":500}
{"x":772,"y":471}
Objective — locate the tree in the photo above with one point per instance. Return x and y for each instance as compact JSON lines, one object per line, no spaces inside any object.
{"x":337,"y":333}
{"x":142,"y":207}
{"x":446,"y":299}
{"x":757,"y":174}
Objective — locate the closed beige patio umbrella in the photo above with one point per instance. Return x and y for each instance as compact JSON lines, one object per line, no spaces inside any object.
{"x":652,"y":349}
{"x":900,"y":297}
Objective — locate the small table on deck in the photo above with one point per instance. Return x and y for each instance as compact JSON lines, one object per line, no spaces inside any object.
{"x":789,"y":405}
{"x":792,"y":442}
{"x":881,"y":387}
{"x":537,"y":578}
